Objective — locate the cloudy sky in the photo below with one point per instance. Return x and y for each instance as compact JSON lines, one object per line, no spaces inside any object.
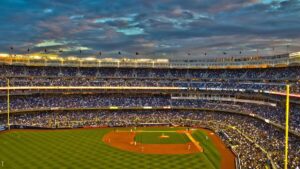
{"x":154,"y":28}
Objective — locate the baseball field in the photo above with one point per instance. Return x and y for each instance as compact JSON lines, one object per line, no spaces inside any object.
{"x":108,"y":148}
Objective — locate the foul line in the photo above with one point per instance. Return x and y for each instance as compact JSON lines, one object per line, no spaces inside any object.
{"x":196,"y":143}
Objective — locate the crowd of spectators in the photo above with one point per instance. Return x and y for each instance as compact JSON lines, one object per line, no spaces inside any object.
{"x":256,"y":143}
{"x":249,"y":137}
{"x":270,"y":73}
{"x":245,"y":79}
{"x":275,"y":113}
{"x":203,"y":85}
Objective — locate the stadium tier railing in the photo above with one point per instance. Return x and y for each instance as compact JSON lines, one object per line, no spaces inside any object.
{"x":89,"y":87}
{"x":145,"y":88}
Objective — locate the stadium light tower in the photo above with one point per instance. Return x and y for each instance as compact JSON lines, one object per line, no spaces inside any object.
{"x":11,"y":50}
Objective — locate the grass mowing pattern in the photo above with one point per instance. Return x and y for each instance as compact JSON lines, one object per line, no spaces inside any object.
{"x":154,"y":138}
{"x":83,"y":149}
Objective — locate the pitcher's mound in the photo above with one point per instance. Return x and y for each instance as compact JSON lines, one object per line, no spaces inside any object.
{"x":164,"y":136}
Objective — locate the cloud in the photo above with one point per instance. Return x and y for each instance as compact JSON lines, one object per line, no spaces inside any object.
{"x":132,"y":31}
{"x":48,"y":10}
{"x":47,"y":43}
{"x":154,"y":28}
{"x":76,"y":17}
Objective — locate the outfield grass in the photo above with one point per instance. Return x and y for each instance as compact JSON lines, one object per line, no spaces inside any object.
{"x":84,"y":149}
{"x":154,"y":138}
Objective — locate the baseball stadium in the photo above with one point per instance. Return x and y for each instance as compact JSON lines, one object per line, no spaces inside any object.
{"x":109,"y":113}
{"x":149,"y":84}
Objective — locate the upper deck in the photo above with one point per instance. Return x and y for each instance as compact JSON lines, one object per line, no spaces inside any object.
{"x":283,"y":60}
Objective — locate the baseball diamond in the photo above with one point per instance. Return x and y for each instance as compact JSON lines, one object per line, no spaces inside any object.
{"x":108,"y":148}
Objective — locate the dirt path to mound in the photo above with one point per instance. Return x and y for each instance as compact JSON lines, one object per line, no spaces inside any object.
{"x":125,"y":141}
{"x":227,"y":157}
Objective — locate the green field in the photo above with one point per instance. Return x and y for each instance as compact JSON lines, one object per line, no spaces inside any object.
{"x":154,"y":138}
{"x":84,"y":149}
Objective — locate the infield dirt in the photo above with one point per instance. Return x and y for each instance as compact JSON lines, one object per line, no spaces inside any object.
{"x":125,"y":141}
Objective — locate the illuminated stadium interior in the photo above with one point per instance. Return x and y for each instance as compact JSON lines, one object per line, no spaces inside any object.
{"x":150,"y":84}
{"x":244,"y":105}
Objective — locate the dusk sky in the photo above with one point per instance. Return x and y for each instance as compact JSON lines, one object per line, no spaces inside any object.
{"x":154,"y":28}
